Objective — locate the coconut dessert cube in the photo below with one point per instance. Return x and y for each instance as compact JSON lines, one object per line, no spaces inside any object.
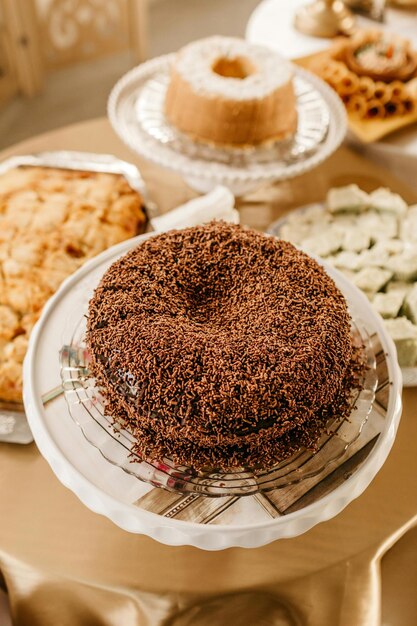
{"x":412,"y":211}
{"x":388,"y":304}
{"x":348,"y":273}
{"x":313,"y":213}
{"x":408,"y":230}
{"x":388,"y":247}
{"x":372,"y":258}
{"x":403,"y":266}
{"x":321,"y":227}
{"x":331,"y":260}
{"x":348,"y":198}
{"x":378,"y":226}
{"x":388,"y":227}
{"x":356,"y":240}
{"x":410,"y":304}
{"x":345,"y":221}
{"x":323,"y":244}
{"x":372,"y":279}
{"x":294,"y":232}
{"x":404,"y":334}
{"x":385,"y":200}
{"x":399,"y":286}
{"x":346,"y":260}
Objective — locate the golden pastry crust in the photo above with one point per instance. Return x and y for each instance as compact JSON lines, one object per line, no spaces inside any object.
{"x":51,"y":222}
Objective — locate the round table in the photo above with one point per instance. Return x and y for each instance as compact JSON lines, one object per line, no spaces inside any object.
{"x":59,"y":559}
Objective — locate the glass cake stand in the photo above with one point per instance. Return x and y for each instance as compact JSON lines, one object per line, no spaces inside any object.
{"x":66,"y":418}
{"x":136,"y":112}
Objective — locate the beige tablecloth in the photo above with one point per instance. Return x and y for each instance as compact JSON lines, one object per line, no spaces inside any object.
{"x":62,"y":564}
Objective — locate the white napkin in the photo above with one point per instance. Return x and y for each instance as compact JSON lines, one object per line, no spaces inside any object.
{"x":216,"y":205}
{"x":14,"y":427}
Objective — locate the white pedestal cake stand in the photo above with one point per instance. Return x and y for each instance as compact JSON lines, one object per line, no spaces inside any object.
{"x":191,"y":519}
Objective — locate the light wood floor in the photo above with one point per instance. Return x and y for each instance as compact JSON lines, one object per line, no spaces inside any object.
{"x":80,"y":92}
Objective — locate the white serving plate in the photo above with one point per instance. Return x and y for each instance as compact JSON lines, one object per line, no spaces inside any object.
{"x":135,"y":110}
{"x":172,"y":518}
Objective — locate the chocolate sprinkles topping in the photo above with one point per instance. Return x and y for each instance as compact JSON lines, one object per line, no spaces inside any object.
{"x":222,"y":347}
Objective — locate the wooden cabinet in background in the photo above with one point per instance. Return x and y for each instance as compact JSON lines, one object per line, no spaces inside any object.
{"x":21,"y":46}
{"x":8,"y":83}
{"x":40,"y":36}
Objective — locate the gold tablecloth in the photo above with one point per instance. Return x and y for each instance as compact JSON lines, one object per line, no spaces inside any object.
{"x":62,"y":564}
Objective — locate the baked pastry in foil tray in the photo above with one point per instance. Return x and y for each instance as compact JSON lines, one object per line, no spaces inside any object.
{"x":52,"y":220}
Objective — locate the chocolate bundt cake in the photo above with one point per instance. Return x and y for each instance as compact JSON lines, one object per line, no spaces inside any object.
{"x":221,"y":347}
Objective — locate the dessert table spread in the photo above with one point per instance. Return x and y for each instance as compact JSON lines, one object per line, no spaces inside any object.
{"x":61,"y":563}
{"x":271,"y":24}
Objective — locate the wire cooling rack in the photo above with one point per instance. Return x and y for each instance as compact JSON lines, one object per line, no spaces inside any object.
{"x":87,"y":407}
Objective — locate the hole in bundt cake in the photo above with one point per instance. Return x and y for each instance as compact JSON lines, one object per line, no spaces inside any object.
{"x":240,"y":67}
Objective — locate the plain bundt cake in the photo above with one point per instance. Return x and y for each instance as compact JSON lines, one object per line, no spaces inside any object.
{"x":221,"y":347}
{"x":227,"y":91}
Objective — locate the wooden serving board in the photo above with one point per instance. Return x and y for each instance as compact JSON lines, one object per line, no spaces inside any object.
{"x":370,"y":130}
